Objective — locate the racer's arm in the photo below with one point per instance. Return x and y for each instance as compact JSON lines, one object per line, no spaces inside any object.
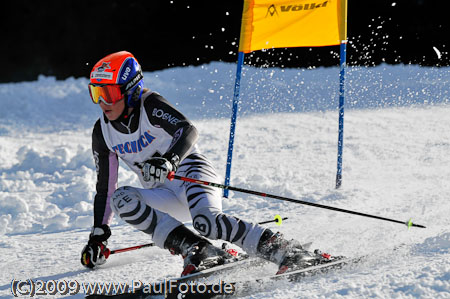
{"x":163,"y":114}
{"x":107,"y":165}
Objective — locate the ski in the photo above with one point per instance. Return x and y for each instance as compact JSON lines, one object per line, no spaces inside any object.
{"x":246,"y":287}
{"x":190,"y":286}
{"x":169,"y":287}
{"x":245,"y":262}
{"x":313,"y":270}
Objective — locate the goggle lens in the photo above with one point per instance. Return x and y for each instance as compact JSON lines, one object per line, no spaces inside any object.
{"x":108,"y":94}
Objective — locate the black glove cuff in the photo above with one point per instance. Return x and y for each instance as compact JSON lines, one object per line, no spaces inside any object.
{"x":173,"y":159}
{"x":100,"y":233}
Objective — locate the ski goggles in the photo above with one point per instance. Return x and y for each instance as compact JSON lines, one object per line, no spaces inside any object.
{"x":112,"y":93}
{"x":109,"y":94}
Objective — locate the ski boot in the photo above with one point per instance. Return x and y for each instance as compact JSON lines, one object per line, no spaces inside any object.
{"x":288,"y":255}
{"x":197,"y":252}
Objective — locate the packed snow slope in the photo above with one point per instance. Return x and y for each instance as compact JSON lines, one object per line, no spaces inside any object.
{"x":396,"y":165}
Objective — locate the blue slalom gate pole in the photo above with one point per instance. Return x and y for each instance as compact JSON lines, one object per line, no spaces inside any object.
{"x":343,"y":55}
{"x":237,"y":85}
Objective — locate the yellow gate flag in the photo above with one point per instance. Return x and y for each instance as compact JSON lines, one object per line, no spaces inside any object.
{"x":292,"y":23}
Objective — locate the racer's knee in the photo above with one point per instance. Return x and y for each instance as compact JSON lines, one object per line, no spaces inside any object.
{"x":204,"y":221}
{"x":126,"y":201}
{"x":213,"y":224}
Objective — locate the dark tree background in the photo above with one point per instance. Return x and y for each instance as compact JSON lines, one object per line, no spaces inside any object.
{"x":66,"y":37}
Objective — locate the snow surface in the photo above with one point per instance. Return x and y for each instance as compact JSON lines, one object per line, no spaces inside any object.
{"x":396,"y":164}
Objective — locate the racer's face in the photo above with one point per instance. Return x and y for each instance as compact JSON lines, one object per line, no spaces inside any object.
{"x":113,"y":111}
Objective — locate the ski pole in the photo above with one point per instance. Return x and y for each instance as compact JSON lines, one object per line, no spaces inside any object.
{"x":277,"y":220}
{"x":172,"y":176}
{"x":132,"y":248}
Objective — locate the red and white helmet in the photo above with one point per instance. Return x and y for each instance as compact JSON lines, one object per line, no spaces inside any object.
{"x":116,"y":76}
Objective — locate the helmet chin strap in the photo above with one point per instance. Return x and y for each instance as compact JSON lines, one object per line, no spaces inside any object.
{"x":135,"y":97}
{"x":125,"y":118}
{"x":125,"y":114}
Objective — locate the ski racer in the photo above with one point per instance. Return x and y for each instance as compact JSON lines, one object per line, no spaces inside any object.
{"x":153,"y":138}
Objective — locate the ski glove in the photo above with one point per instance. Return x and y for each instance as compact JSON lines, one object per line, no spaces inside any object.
{"x":95,"y":252}
{"x":158,"y":168}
